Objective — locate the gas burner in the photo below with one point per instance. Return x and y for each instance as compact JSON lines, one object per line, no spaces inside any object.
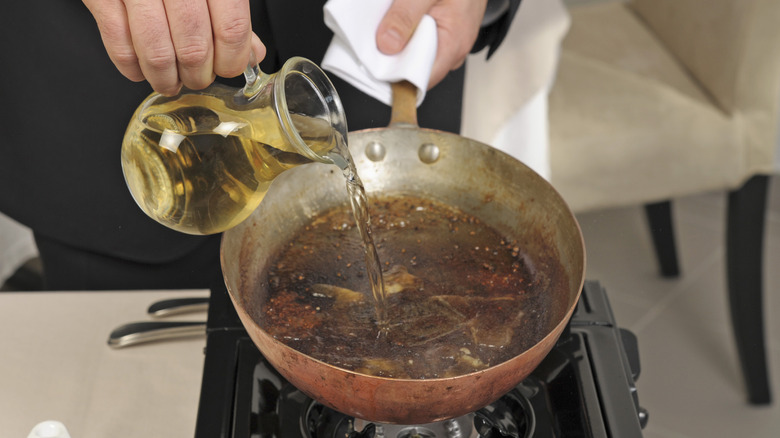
{"x":461,"y":427}
{"x":583,"y":388}
{"x":511,"y":416}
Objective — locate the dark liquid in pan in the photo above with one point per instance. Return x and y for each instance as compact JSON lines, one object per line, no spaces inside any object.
{"x":460,"y":295}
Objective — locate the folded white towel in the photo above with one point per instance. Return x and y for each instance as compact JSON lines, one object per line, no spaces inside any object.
{"x":354,"y":56}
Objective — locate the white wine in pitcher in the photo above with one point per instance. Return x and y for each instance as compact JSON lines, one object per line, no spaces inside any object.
{"x":196,"y":166}
{"x":200,"y":162}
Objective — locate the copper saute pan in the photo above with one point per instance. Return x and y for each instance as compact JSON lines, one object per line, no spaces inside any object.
{"x":404,"y":158}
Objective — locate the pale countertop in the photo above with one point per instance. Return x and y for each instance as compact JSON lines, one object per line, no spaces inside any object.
{"x":56,"y":365}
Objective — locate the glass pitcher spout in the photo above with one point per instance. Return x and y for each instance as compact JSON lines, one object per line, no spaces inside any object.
{"x":201,"y":162}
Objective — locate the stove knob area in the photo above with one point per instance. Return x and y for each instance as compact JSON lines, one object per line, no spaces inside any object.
{"x":49,"y":429}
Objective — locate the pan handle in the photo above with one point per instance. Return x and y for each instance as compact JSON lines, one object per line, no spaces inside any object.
{"x":404,"y":110}
{"x":177,"y":306}
{"x":148,"y":331}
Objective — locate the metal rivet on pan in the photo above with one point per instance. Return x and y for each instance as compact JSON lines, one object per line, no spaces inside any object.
{"x":429,"y":153}
{"x":375,"y":151}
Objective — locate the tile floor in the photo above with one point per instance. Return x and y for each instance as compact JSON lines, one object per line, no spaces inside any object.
{"x":690,"y":381}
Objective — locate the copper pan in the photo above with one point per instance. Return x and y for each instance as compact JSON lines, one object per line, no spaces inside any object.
{"x":404,"y":158}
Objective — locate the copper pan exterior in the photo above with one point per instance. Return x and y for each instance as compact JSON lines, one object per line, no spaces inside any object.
{"x":406,"y":159}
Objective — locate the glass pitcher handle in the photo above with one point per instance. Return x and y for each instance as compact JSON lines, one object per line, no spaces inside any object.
{"x":254,"y":76}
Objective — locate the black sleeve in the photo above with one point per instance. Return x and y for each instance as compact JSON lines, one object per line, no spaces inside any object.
{"x":495,"y":25}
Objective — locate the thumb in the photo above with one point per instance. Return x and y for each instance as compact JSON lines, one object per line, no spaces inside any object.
{"x":399,"y":23}
{"x":258,"y":48}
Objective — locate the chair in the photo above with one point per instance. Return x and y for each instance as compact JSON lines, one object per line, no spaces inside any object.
{"x":658,"y":99}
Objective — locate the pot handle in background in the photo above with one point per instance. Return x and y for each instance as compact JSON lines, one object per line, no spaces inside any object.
{"x":148,"y":331}
{"x":404,"y":109}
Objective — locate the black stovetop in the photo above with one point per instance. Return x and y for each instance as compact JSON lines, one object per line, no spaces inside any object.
{"x":583,"y":388}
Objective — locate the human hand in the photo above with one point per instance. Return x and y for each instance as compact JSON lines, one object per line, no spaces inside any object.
{"x":171,"y":43}
{"x":457,"y":26}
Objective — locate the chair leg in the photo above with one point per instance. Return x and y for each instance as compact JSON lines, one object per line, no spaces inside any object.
{"x":659,"y":216}
{"x":744,"y":263}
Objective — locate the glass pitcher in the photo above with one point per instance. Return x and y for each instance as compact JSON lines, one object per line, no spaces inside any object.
{"x":201,"y":162}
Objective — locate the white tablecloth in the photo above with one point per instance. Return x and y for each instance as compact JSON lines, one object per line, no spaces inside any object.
{"x":55,"y":365}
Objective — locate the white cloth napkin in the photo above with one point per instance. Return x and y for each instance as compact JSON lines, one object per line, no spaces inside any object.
{"x":354,"y":57}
